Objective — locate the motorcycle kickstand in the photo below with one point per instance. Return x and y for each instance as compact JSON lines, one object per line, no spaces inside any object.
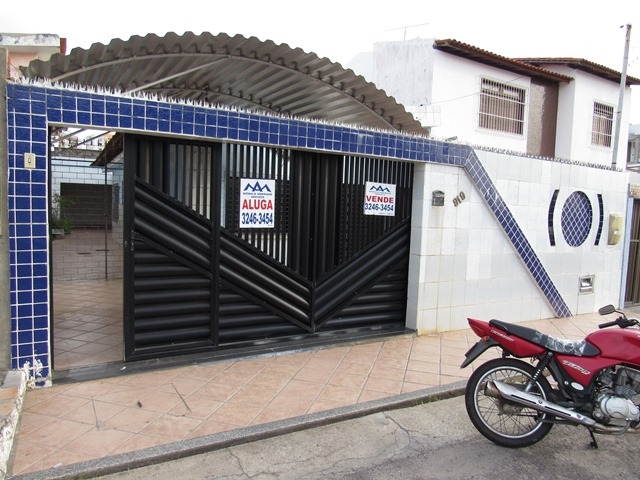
{"x":593,"y":443}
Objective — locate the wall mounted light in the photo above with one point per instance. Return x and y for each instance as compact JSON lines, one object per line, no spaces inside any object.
{"x":437,"y":198}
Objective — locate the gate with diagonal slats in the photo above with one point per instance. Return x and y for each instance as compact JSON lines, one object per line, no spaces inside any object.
{"x":195,"y":281}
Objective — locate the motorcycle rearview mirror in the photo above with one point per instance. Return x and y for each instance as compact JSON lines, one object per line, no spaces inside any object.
{"x":607,"y":309}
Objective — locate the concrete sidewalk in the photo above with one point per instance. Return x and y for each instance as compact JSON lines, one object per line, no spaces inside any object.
{"x":97,"y":427}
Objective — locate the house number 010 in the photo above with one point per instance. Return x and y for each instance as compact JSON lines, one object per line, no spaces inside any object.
{"x":458,"y":199}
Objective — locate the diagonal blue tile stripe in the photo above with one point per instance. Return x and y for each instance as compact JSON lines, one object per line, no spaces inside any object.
{"x":487,"y":189}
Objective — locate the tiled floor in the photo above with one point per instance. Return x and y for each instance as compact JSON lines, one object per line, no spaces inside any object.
{"x":87,"y":308}
{"x":74,"y":422}
{"x":87,"y":316}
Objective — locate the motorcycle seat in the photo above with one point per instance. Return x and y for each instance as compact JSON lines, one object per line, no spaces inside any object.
{"x":580,"y":348}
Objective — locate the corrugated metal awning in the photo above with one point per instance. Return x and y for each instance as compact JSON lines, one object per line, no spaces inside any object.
{"x":241,"y":72}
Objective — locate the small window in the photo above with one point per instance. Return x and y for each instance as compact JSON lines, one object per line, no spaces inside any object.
{"x":502,"y":107}
{"x":602,"y":126}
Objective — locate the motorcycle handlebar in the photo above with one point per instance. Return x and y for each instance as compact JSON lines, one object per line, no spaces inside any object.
{"x":608,"y":324}
{"x":622,"y":321}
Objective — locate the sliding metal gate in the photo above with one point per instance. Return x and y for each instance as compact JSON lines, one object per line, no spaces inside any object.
{"x":632,"y":290}
{"x":195,"y":281}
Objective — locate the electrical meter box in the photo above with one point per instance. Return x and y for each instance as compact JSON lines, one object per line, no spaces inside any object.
{"x":615,"y":228}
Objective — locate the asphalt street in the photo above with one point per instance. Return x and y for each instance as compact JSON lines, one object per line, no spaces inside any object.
{"x":428,"y":441}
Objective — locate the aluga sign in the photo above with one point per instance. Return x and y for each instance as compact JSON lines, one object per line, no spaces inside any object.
{"x":257,"y":199}
{"x":380,"y":199}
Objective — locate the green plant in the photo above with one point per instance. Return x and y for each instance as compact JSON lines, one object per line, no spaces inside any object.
{"x":59,"y":219}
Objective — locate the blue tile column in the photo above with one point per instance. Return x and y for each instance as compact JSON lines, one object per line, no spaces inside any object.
{"x":28,"y":236}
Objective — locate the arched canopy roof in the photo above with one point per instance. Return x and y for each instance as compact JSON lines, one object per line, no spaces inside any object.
{"x":241,"y":72}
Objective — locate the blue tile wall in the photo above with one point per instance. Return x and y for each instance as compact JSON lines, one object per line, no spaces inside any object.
{"x":550,"y":223}
{"x":577,"y":218}
{"x":600,"y":219}
{"x":32,"y":108}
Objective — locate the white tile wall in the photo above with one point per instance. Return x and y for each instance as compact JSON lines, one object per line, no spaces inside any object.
{"x":465,"y":264}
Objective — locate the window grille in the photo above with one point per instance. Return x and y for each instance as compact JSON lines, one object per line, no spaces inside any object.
{"x":602,"y":126}
{"x":502,"y":107}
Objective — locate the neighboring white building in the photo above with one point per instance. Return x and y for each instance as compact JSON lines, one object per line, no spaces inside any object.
{"x":551,"y":107}
{"x":633,"y":148}
{"x":543,"y":131}
{"x":24,"y":47}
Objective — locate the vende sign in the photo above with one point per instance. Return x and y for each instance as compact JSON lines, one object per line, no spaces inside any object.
{"x":257,"y":201}
{"x":379,"y":199}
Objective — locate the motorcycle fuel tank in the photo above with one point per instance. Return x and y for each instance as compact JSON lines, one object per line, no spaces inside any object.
{"x":616,"y":346}
{"x":622,"y":344}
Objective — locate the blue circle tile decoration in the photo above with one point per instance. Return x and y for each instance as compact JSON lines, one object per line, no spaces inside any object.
{"x":577,"y":217}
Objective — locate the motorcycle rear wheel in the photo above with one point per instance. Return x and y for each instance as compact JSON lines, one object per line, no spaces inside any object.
{"x":507,"y":423}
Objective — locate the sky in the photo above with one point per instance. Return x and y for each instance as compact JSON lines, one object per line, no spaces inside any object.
{"x":340,"y":29}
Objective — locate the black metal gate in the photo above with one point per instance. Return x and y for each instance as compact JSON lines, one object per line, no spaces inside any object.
{"x":196,"y":281}
{"x":632,"y":290}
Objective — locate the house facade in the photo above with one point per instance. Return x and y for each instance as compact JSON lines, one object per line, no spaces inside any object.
{"x":240,"y":228}
{"x":551,"y":107}
{"x":530,"y":110}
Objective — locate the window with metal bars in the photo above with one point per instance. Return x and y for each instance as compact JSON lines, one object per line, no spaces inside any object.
{"x":602,"y":124}
{"x":502,"y":107}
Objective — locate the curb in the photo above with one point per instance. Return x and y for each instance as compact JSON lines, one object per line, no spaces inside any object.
{"x":12,"y":393}
{"x":176,"y":450}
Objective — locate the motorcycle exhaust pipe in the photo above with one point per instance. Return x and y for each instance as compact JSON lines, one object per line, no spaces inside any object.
{"x":497,"y":389}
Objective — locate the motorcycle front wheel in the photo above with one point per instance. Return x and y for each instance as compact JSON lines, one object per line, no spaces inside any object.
{"x":504,"y":422}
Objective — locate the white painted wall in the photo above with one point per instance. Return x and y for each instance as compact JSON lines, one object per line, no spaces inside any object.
{"x":424,"y":80}
{"x":405,"y":70}
{"x":24,"y":47}
{"x":575,"y":114}
{"x":564,"y":119}
{"x":76,"y":170}
{"x":79,"y":170}
{"x":456,"y":90}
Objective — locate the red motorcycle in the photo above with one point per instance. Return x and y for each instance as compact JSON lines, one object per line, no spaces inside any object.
{"x":594,"y":382}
